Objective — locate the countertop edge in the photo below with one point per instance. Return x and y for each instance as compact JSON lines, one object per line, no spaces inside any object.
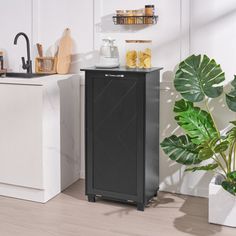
{"x":122,"y":69}
{"x":40,"y":81}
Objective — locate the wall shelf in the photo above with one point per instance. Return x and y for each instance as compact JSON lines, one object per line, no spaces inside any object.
{"x":135,"y":20}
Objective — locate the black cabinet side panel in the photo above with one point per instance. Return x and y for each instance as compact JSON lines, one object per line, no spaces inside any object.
{"x":88,"y":134}
{"x":152,"y":134}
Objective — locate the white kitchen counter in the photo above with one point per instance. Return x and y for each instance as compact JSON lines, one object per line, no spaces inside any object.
{"x":39,"y":136}
{"x":44,"y":80}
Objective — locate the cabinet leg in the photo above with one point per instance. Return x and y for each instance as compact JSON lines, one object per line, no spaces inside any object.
{"x":140,"y":206}
{"x":91,"y":198}
{"x":156,"y":192}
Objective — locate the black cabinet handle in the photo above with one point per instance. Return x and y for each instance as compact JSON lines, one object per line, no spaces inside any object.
{"x":114,"y":76}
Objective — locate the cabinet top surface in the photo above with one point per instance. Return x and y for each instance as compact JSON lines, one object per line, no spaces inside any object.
{"x":122,"y":69}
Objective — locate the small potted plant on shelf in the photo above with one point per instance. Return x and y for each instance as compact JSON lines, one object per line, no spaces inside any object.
{"x":204,"y":147}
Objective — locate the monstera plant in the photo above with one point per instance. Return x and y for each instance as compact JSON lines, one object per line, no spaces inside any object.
{"x":203,"y":147}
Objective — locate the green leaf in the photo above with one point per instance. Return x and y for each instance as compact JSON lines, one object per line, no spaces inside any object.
{"x":212,"y":146}
{"x":232,"y":175}
{"x":229,"y":186}
{"x":196,"y":123}
{"x":231,"y":135}
{"x":233,"y":122}
{"x":208,"y":167}
{"x":205,"y":152}
{"x":197,"y":77}
{"x":181,"y":150}
{"x":230,"y":183}
{"x":231,"y":96}
{"x":221,"y":147}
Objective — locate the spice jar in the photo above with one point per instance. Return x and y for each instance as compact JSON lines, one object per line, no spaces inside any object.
{"x":129,"y":17}
{"x":149,"y":12}
{"x":138,"y":54}
{"x":2,"y":70}
{"x":1,"y":60}
{"x":138,"y":16}
{"x":120,"y":17}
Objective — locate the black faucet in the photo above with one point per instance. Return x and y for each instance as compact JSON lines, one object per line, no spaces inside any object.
{"x":28,"y":64}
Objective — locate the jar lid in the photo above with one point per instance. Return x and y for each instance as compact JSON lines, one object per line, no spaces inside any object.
{"x":147,"y":6}
{"x":138,"y":12}
{"x":120,"y":11}
{"x":138,"y":41}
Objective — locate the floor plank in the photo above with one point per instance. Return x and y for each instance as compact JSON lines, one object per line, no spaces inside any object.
{"x":69,"y":214}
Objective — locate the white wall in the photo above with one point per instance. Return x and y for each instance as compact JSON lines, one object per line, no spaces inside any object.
{"x":15,"y":17}
{"x":184,"y":27}
{"x":213,"y":31}
{"x":56,"y":15}
{"x":165,"y":34}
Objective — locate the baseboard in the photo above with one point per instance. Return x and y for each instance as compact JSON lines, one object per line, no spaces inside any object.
{"x":82,"y":174}
{"x":30,"y":194}
{"x":195,"y":192}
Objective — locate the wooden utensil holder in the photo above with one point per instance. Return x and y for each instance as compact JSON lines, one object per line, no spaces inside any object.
{"x":45,"y":65}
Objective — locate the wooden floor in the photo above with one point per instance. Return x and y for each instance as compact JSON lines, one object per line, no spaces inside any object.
{"x":69,"y":214}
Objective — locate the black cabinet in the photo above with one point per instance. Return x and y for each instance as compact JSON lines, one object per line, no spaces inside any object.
{"x":122,"y":134}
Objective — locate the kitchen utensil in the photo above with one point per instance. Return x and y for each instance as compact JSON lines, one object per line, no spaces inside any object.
{"x":39,"y":63}
{"x":109,"y":55}
{"x":40,"y":49}
{"x":64,"y":53}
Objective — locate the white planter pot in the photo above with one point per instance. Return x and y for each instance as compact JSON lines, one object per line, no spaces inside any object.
{"x":222,"y":206}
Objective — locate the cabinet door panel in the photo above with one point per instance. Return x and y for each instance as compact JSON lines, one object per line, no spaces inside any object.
{"x":115,"y":136}
{"x":21,"y":135}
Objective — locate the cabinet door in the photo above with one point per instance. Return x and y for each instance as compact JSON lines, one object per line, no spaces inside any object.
{"x":21,"y":135}
{"x":115,"y":132}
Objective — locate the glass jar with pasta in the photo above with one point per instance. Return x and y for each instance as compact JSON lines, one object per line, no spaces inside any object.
{"x":138,"y":54}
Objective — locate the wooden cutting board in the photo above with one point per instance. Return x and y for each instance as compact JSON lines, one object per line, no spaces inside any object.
{"x":64,"y":53}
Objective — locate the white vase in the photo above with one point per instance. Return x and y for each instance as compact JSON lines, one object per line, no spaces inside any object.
{"x":222,"y":205}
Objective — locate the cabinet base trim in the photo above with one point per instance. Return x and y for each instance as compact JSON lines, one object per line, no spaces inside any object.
{"x":30,"y":194}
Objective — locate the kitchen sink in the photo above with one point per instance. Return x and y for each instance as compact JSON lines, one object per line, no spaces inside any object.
{"x":24,"y":75}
